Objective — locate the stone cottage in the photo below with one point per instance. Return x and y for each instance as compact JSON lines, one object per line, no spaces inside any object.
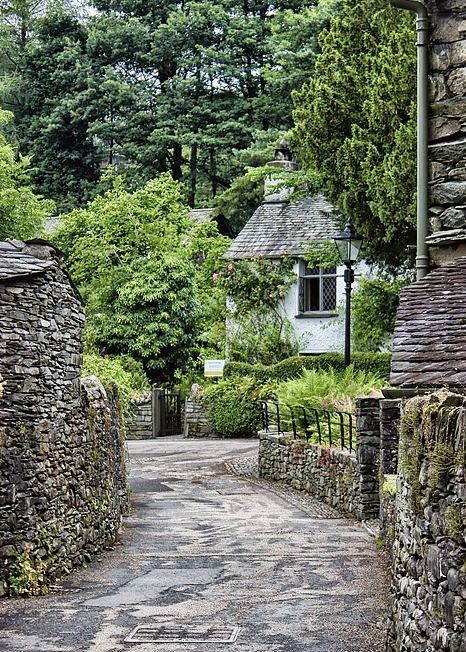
{"x":314,"y":303}
{"x":62,"y":476}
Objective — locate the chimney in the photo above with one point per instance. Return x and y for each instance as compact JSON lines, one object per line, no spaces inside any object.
{"x":284,"y":161}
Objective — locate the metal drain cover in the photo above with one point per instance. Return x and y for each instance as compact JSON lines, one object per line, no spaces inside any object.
{"x":186,"y":634}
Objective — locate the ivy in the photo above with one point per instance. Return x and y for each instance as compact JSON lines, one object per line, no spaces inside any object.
{"x":257,"y":284}
{"x":322,"y":254}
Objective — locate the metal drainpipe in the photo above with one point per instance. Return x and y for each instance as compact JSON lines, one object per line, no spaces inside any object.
{"x":422,"y":28}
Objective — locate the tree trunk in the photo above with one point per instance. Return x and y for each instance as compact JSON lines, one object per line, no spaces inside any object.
{"x":177,"y":172}
{"x":193,"y":174}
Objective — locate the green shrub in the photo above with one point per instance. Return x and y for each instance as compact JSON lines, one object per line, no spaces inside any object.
{"x":374,"y":307}
{"x":329,"y":389}
{"x":375,"y":363}
{"x":122,"y":370}
{"x":233,"y":408}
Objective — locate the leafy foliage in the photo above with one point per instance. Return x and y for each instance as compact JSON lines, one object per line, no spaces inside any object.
{"x":256,"y":284}
{"x":374,"y":306}
{"x":233,"y":408}
{"x":323,"y":254}
{"x":124,"y":371}
{"x":128,"y":254}
{"x":262,"y":338}
{"x":376,"y":363}
{"x":355,"y":124}
{"x":259,"y":329}
{"x":22,"y":212}
{"x":329,"y":389}
{"x":193,"y":88}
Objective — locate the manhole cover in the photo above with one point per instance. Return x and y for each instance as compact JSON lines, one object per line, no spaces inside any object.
{"x":177,"y":634}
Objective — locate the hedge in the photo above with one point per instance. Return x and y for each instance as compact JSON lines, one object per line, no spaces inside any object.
{"x":233,"y":410}
{"x":377,"y":363}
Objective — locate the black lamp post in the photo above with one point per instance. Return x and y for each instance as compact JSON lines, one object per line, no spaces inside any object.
{"x":349,"y":246}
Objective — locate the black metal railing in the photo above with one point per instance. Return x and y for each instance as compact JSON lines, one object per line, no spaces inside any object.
{"x":314,"y":425}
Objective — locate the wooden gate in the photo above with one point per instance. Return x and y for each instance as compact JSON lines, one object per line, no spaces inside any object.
{"x":166,"y":412}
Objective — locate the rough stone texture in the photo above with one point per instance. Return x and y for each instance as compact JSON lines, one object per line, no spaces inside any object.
{"x":204,"y":548}
{"x":195,"y":420}
{"x":448,"y":116}
{"x":345,"y":480}
{"x":139,"y":420}
{"x":429,"y":343}
{"x":429,"y":552}
{"x":389,"y":434}
{"x":387,"y":514}
{"x":331,"y":474}
{"x":62,"y":477}
{"x":368,"y":455}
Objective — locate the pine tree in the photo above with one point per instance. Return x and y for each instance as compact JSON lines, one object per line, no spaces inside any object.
{"x":355,"y":124}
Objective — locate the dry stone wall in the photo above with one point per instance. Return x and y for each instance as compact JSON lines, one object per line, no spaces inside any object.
{"x":328,"y":473}
{"x":346,"y":480}
{"x":62,"y":475}
{"x":196,"y":424}
{"x":429,"y":547}
{"x":139,"y":420}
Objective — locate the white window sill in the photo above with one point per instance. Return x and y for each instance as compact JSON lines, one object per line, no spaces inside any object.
{"x":316,"y":315}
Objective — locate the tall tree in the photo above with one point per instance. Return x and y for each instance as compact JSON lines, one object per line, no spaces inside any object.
{"x":54,"y":128}
{"x":355,"y":124}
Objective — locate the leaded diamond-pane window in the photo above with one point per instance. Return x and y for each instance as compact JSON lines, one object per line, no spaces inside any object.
{"x":317,"y":289}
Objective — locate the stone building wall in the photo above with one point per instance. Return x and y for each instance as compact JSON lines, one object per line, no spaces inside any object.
{"x":429,"y":551}
{"x":62,"y":475}
{"x":447,"y":150}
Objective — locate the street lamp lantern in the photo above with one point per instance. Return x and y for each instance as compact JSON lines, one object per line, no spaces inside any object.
{"x":348,"y":244}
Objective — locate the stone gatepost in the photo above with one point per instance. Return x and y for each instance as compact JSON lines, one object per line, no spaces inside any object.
{"x":368,"y":455}
{"x":390,"y":413}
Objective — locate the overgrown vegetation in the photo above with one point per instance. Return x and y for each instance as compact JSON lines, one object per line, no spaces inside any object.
{"x":430,"y":450}
{"x":355,"y":124}
{"x":376,"y":363}
{"x":27,"y":575}
{"x":329,"y":389}
{"x":233,"y":408}
{"x":259,"y":330}
{"x":22,"y":211}
{"x":374,"y":306}
{"x":124,"y":371}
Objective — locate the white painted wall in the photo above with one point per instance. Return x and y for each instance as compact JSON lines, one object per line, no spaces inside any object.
{"x":321,"y":334}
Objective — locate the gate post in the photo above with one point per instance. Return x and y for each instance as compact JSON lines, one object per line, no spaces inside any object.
{"x":157,"y":395}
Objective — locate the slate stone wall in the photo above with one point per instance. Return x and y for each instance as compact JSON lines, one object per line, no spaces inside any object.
{"x":62,"y":475}
{"x":447,"y":151}
{"x":429,"y":551}
{"x":195,"y":419}
{"x":390,"y":411}
{"x":139,"y":420}
{"x":330,"y":474}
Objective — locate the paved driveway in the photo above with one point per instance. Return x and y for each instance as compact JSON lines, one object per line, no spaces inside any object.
{"x":216,"y":563}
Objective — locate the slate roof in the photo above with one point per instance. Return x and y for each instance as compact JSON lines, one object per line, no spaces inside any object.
{"x":17,"y":261}
{"x":285,"y":226}
{"x":430,"y":334}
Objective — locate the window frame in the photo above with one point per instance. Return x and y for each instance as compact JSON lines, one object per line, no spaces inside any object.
{"x":321,"y":276}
